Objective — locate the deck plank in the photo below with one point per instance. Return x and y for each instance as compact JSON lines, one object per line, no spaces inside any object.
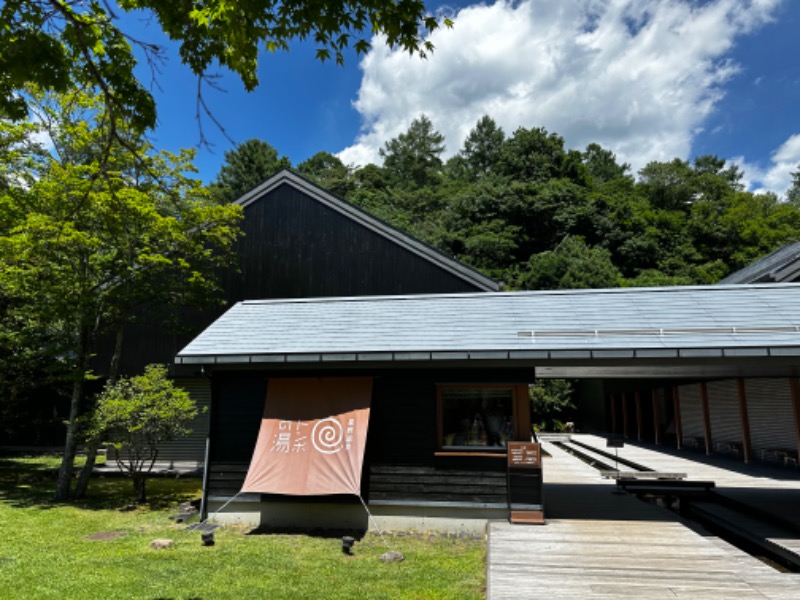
{"x":598,"y":544}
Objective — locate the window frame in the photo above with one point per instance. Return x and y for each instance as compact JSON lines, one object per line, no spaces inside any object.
{"x":521,"y":418}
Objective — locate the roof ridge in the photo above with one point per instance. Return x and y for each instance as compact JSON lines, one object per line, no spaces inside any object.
{"x":519,"y":293}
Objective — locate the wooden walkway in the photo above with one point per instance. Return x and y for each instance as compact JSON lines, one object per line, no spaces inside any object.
{"x":598,"y":544}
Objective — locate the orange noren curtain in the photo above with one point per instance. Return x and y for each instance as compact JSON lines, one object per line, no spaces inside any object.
{"x":312,"y":437}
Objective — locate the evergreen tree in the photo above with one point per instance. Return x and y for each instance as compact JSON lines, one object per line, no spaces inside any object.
{"x":602,"y":164}
{"x":413,"y":159}
{"x":793,"y":193}
{"x":329,"y":172}
{"x":482,"y":147}
{"x":246,"y":166}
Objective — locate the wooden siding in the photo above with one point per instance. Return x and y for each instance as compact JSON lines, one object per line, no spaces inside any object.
{"x":435,"y":484}
{"x":225,"y":479}
{"x":400,"y":460}
{"x":723,"y":404}
{"x":769,"y":408}
{"x":769,"y":404}
{"x":463,"y":480}
{"x":295,"y":247}
{"x":238,"y":406}
{"x":188,"y":451}
{"x":402,"y":423}
{"x":192,"y":448}
{"x":692,"y":415}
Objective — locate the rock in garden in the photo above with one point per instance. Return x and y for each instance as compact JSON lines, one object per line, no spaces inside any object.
{"x":161,"y":544}
{"x":390,"y":557}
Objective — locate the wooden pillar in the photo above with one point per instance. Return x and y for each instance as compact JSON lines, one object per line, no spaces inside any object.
{"x":794,"y":383}
{"x":746,"y":447}
{"x":613,"y":401}
{"x":656,"y":417}
{"x":624,"y":398}
{"x":638,"y":398}
{"x":706,"y":419}
{"x":523,"y":414}
{"x":676,"y":405}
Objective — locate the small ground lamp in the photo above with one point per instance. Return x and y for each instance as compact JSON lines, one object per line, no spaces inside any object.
{"x":347,"y":544}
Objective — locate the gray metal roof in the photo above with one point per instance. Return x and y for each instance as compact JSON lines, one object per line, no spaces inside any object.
{"x":779,"y":266}
{"x":410,"y":243}
{"x":696,"y":323}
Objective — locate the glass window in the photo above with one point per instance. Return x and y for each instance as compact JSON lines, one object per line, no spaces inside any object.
{"x":474,"y":417}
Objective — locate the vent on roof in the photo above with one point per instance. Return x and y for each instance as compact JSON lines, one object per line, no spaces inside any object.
{"x":583,"y":333}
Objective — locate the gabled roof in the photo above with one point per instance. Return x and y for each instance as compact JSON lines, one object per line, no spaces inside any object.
{"x":779,"y":266}
{"x":410,"y":243}
{"x":712,"y":322}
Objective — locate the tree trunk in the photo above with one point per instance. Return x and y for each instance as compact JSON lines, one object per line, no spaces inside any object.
{"x":86,"y":471}
{"x":94,"y":445}
{"x":116,"y":358}
{"x":139,"y":489}
{"x":64,"y":483}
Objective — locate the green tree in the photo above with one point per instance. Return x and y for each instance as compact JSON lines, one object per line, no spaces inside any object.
{"x":668,"y":186}
{"x":104,"y":231}
{"x":246,"y":166}
{"x":571,"y":265}
{"x":793,"y":193}
{"x":603,"y":165}
{"x":482,"y":147}
{"x":551,"y":399}
{"x":656,"y":278}
{"x":413,"y":158}
{"x":481,"y":225}
{"x":329,"y":172}
{"x":136,"y":415}
{"x":371,"y":191}
{"x":58,"y":45}
{"x":532,"y":155}
{"x":757,"y":224}
{"x":18,"y":154}
{"x":711,"y":164}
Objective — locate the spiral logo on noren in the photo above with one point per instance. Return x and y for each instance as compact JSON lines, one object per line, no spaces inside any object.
{"x":327,"y":436}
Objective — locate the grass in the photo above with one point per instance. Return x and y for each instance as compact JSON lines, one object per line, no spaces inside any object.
{"x":45,"y":551}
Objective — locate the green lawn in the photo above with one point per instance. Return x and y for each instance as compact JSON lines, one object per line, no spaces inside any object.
{"x":45,"y":551}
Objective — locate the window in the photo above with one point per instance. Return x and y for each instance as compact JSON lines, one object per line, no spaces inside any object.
{"x":482,"y":417}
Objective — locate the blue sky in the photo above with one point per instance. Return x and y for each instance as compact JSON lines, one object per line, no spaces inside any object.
{"x":647,"y":79}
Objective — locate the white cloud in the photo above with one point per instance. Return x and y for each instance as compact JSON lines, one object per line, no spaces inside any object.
{"x":637,"y":76}
{"x":777,"y":177}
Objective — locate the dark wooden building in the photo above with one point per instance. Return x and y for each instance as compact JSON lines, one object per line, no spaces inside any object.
{"x":299,"y":241}
{"x":416,"y":464}
{"x":445,"y":367}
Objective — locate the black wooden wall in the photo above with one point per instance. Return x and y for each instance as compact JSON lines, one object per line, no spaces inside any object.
{"x":400,"y":461}
{"x":294,"y":247}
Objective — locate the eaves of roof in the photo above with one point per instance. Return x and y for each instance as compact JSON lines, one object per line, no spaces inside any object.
{"x":779,"y":266}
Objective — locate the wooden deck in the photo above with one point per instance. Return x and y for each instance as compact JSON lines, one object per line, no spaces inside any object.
{"x":598,"y":544}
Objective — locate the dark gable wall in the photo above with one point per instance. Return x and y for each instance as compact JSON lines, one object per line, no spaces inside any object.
{"x":297,"y":247}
